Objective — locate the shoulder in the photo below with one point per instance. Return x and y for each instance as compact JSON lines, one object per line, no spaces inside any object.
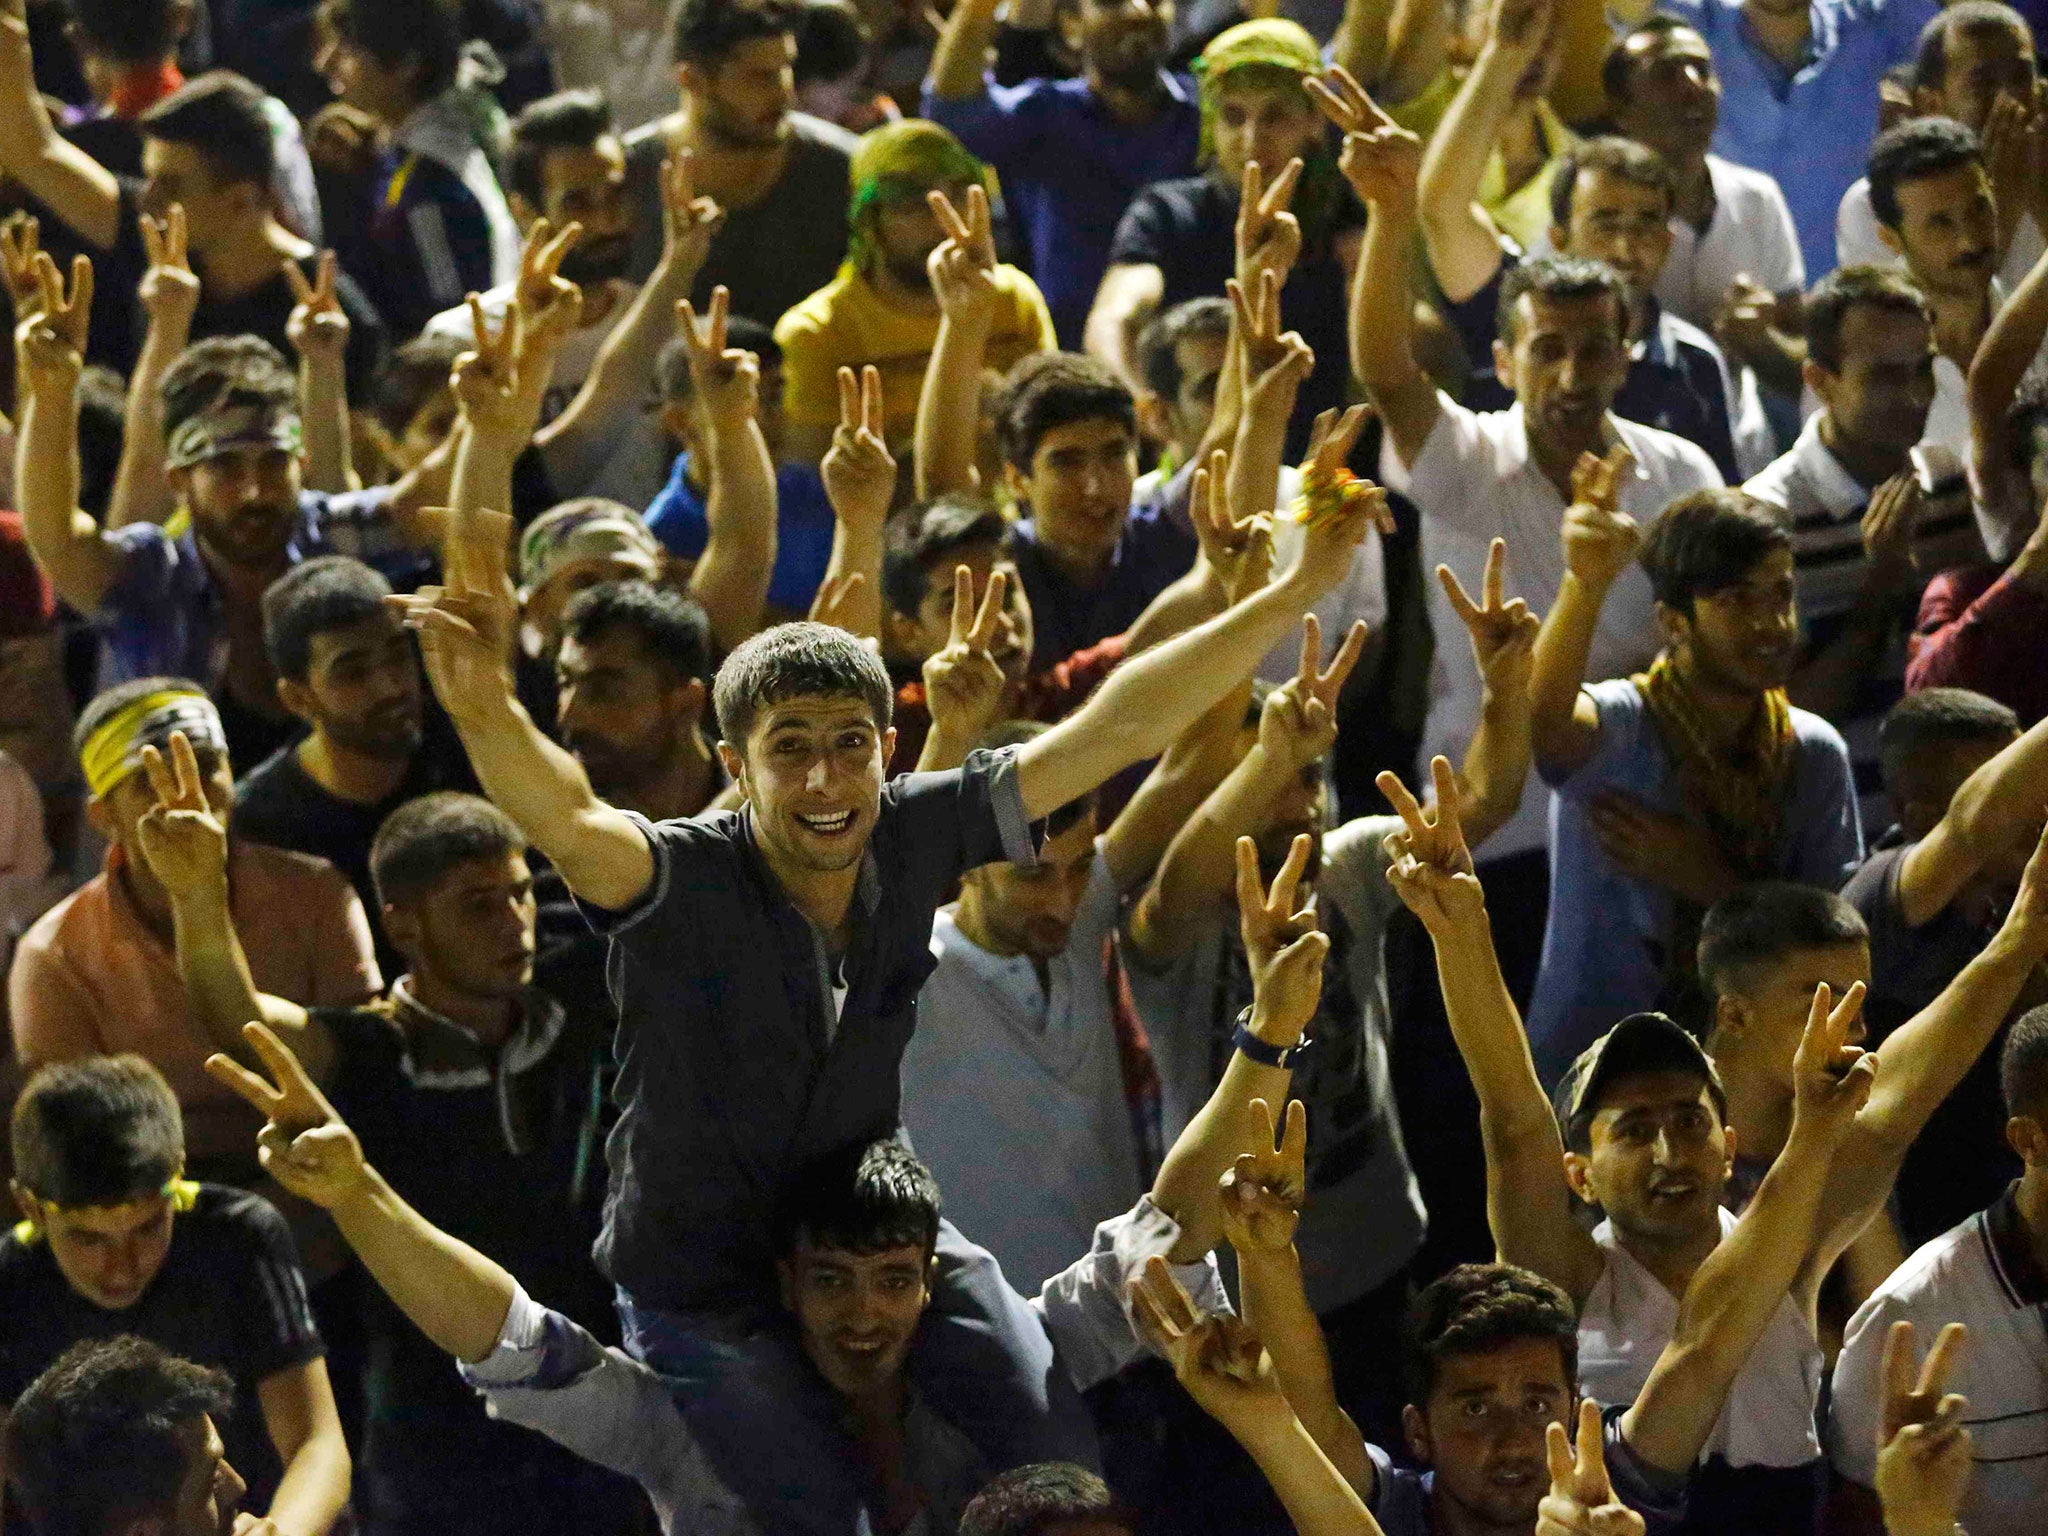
{"x":1684,"y":333}
{"x":812,"y":315}
{"x":46,"y":935}
{"x":238,"y":1219}
{"x":266,"y":780}
{"x":1817,"y":737}
{"x":1018,"y":290}
{"x":1617,"y":698}
{"x":1870,"y":890}
{"x":1779,"y":482}
{"x":1355,"y":852}
{"x":648,"y":145}
{"x":819,"y":139}
{"x":1672,"y":464}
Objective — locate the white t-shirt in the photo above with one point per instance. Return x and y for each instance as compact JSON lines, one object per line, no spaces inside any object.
{"x":1981,"y":1273}
{"x":1475,"y":479}
{"x":1751,"y":232}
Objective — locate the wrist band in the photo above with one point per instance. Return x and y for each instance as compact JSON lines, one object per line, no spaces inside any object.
{"x":1252,"y":1048}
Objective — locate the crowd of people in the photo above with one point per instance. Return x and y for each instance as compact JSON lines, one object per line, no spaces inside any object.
{"x":834,"y":768}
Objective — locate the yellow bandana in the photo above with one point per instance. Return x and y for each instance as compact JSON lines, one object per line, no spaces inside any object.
{"x":114,"y":750}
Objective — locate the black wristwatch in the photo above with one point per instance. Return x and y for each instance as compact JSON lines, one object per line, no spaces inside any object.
{"x":1265,"y":1054}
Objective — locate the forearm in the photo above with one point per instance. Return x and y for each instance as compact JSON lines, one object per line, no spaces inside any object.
{"x":1174,"y":790}
{"x":1360,"y":43}
{"x":454,"y":1295}
{"x":1275,"y":1304}
{"x":1253,"y":480}
{"x":730,"y":580}
{"x":1564,"y":645}
{"x":314,"y":1489}
{"x":1127,"y":297}
{"x":1318,"y":1501}
{"x":1189,"y":600}
{"x":1418,"y":48}
{"x":958,"y":61}
{"x":1200,"y":862}
{"x":2008,"y":347}
{"x":70,"y":183}
{"x":1463,"y":249}
{"x":949,"y":412}
{"x":220,"y":993}
{"x":577,"y":441}
{"x":1496,"y":764}
{"x":142,"y":489}
{"x":323,"y":402}
{"x":65,"y":541}
{"x":1224,"y":1126}
{"x":857,"y":551}
{"x":1382,"y":316}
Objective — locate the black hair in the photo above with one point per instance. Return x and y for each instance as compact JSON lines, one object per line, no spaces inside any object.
{"x":106,"y":704}
{"x":1014,"y":733}
{"x":1930,"y":56}
{"x":1707,"y":542}
{"x":1624,"y":159}
{"x":1938,"y":717}
{"x":1029,"y":1501}
{"x":1617,"y":67}
{"x":921,"y":537}
{"x":1158,"y":344}
{"x":672,"y":367}
{"x":127,"y":31}
{"x":102,"y":423}
{"x":672,"y":629}
{"x":1921,"y":146}
{"x":425,"y":838}
{"x":707,"y":31}
{"x":1828,"y":302}
{"x":2023,"y":1065}
{"x":831,"y":41}
{"x":1558,"y":278}
{"x":221,"y":115}
{"x":220,"y":372}
{"x":1767,"y":921}
{"x":861,"y":1199}
{"x":411,"y":375}
{"x":428,"y":32}
{"x":101,"y":1130}
{"x":97,"y":1439}
{"x":1478,"y":1308}
{"x":1056,"y":389}
{"x":788,"y":661}
{"x":313,"y":597}
{"x":565,"y":120}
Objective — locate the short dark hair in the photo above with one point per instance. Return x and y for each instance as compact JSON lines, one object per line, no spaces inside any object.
{"x":861,"y":1199}
{"x":102,"y":423}
{"x":127,"y":31}
{"x":2023,"y":1065}
{"x":1056,"y":389}
{"x":1617,"y":68}
{"x":421,"y":841}
{"x":1828,"y":302}
{"x":1624,"y":159}
{"x":100,"y":1130}
{"x":1029,"y":1501}
{"x":413,"y":374}
{"x":1766,"y":921}
{"x":672,"y":629}
{"x":831,"y":41}
{"x":428,"y":32}
{"x":1558,"y":278}
{"x":1476,"y":1309}
{"x":923,"y":536}
{"x":95,"y":1439}
{"x":1158,"y":344}
{"x":1920,"y":146}
{"x":1930,"y":55}
{"x":1939,"y":717}
{"x":565,"y":120}
{"x":672,"y":367}
{"x":107,"y":703}
{"x":787,"y":661}
{"x":224,"y":371}
{"x":707,"y":31}
{"x":313,"y":597}
{"x":222,"y":116}
{"x":1706,"y":542}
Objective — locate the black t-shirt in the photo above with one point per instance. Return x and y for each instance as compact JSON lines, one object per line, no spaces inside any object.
{"x":1187,"y":228}
{"x":1960,"y":1163}
{"x":229,"y":1295}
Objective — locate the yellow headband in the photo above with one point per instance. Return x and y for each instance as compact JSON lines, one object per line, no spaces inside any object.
{"x":182,"y":1193}
{"x":114,"y":750}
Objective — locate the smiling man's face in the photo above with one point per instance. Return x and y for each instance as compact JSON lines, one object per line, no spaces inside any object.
{"x":812,"y":771}
{"x":857,"y":1313}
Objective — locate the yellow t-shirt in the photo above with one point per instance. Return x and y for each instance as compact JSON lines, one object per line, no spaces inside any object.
{"x":1524,"y":214}
{"x":847,"y":323}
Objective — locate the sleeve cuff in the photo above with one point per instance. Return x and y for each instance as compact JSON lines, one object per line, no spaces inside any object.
{"x":1006,"y":800}
{"x":537,"y":1350}
{"x":610,"y":924}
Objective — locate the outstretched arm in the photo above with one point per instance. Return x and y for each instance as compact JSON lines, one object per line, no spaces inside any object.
{"x":170,"y":294}
{"x":2004,"y":354}
{"x":962,"y":271}
{"x":961,"y":57}
{"x":859,"y":474}
{"x":1599,"y":542}
{"x":730,"y":580}
{"x":63,"y":177}
{"x":318,"y":331}
{"x":1503,"y":635}
{"x":1995,"y":807}
{"x":1735,"y":1292}
{"x":1528,"y":1202}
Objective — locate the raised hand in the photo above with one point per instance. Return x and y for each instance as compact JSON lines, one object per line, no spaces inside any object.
{"x":465,"y":627}
{"x":1743,"y":320}
{"x":1831,"y":1079}
{"x":549,"y":306}
{"x":487,"y":379}
{"x":1381,"y":159}
{"x":2028,"y":915}
{"x":727,"y":379}
{"x":1888,"y":524}
{"x":1332,"y":437}
{"x":1239,"y":552}
{"x":963,"y":681}
{"x":1599,"y":538}
{"x":689,"y":223}
{"x":1503,"y":633}
{"x":1581,"y":1500}
{"x":1271,"y":360}
{"x":20,"y":240}
{"x":1268,"y":235}
{"x":1219,"y":1360}
{"x":1923,"y":1448}
{"x":183,"y":840}
{"x":1282,"y":945}
{"x":304,"y":1144}
{"x":51,"y":344}
{"x":169,"y":290}
{"x":1261,"y":1193}
{"x":1298,"y":724}
{"x":318,"y":326}
{"x":835,"y":596}
{"x":859,"y":471}
{"x":962,"y":266}
{"x":1428,"y":864}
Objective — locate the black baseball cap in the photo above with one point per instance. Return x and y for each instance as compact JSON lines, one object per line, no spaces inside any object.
{"x":1642,"y":1042}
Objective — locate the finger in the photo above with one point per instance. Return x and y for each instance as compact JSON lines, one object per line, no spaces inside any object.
{"x":479,"y":325}
{"x":849,"y":400}
{"x":174,"y":235}
{"x":1844,"y":1013}
{"x":1496,"y":565}
{"x":1331,"y":683}
{"x":1311,"y":651}
{"x":949,"y":216}
{"x":1178,"y":1306}
{"x":551,"y":254}
{"x":1202,"y":507}
{"x":292,"y":1081}
{"x":714,"y":338}
{"x":47,"y":280}
{"x":871,"y":400}
{"x":984,"y":630}
{"x":1557,"y":1451}
{"x":302,"y":291}
{"x":1947,"y":1345}
{"x":1896,"y":1374}
{"x":244,"y":1084}
{"x":1150,"y":1319}
{"x":1294,"y":1139}
{"x":152,"y":241}
{"x":1455,"y":593}
{"x":1448,"y":810}
{"x":1251,"y":897}
{"x":1405,"y":805}
{"x":1250,"y":190}
{"x":963,"y":604}
{"x":323,"y":278}
{"x":1288,"y":881}
{"x":1282,"y":190}
{"x":1266,"y":1135}
{"x":185,"y":769}
{"x":1592,"y":1478}
{"x":161,"y":782}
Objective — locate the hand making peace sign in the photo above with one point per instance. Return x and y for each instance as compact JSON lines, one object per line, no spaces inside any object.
{"x":304,"y":1144}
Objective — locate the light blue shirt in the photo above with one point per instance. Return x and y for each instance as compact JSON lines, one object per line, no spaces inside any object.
{"x":1811,"y":129}
{"x":1604,"y":939}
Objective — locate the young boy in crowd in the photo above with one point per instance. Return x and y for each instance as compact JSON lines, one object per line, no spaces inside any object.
{"x":115,"y":1240}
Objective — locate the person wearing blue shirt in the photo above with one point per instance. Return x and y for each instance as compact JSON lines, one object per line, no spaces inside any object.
{"x":1799,"y":90}
{"x":1071,"y":153}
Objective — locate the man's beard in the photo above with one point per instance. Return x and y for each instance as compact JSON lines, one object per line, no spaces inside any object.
{"x":732,"y":132}
{"x":912,"y":274}
{"x":388,"y":741}
{"x":605,"y":262}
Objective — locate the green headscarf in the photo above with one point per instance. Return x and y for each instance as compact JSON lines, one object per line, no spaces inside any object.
{"x":895,"y":162}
